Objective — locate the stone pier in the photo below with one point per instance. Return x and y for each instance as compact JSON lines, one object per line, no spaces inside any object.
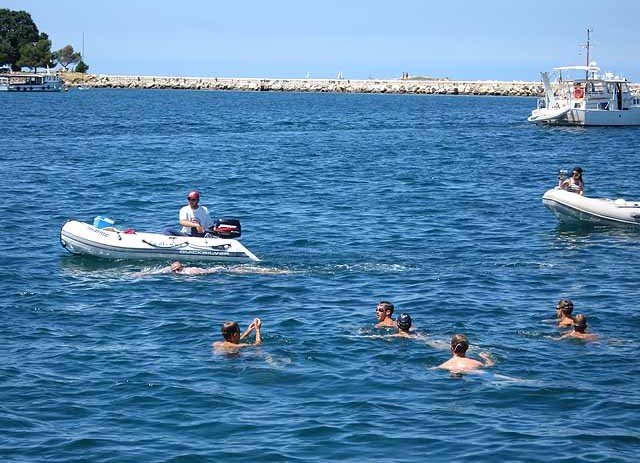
{"x":397,"y":86}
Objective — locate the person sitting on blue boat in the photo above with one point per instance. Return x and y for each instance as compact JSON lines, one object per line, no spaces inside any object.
{"x":459,"y":363}
{"x":195,"y":219}
{"x":574,"y":184}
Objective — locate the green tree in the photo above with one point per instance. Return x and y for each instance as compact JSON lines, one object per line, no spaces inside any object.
{"x":5,"y":50}
{"x":82,"y":67}
{"x":17,"y":29}
{"x":36,"y":55}
{"x":66,"y":56}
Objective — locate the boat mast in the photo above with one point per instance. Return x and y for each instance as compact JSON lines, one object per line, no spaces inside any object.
{"x":588,"y":47}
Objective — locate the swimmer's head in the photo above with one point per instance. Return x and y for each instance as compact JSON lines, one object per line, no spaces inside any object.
{"x":459,"y":344}
{"x":230,"y":330}
{"x":176,"y":266}
{"x":404,"y":321}
{"x":580,"y":323}
{"x":384,"y":308}
{"x":565,"y":306}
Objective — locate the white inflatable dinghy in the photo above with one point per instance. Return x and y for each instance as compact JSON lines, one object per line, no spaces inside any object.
{"x":573,"y":208}
{"x":83,"y":238}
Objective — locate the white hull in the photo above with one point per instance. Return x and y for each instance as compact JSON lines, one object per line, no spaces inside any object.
{"x":586,"y":117}
{"x":572,"y":208}
{"x":82,"y":238}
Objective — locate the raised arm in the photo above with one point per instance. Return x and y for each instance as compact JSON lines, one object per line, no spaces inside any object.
{"x":248,"y":331}
{"x":257,"y":323}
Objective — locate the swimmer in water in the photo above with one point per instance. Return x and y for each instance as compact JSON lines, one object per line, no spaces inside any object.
{"x":459,"y":363}
{"x":404,"y":325}
{"x":563,"y":313}
{"x":579,"y":330}
{"x":232,"y":337}
{"x":384,"y":311}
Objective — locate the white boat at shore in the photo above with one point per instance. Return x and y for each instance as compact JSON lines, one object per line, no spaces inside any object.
{"x":29,"y":82}
{"x":582,"y":96}
{"x":85,"y":239}
{"x":573,"y":208}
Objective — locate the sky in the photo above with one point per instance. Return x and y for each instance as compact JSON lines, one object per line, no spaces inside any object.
{"x":461,"y":40}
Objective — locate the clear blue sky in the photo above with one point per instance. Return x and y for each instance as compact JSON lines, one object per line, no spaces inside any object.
{"x":484,"y":40}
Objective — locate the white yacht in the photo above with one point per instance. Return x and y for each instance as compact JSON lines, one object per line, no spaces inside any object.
{"x":581,"y":95}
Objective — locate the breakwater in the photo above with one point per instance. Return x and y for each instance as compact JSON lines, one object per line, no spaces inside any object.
{"x":416,"y":86}
{"x":430,"y":87}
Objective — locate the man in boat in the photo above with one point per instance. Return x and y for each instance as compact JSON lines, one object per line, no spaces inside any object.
{"x":563,"y":313}
{"x":195,"y":219}
{"x":579,"y":330}
{"x":574,"y":183}
{"x":459,"y":363}
{"x":384,"y":311}
{"x":232,"y":337}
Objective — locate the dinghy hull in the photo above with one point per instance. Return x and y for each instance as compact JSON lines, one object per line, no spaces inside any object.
{"x":85,"y":239}
{"x":572,"y":208}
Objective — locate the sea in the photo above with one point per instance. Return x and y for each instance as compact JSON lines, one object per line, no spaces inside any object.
{"x":430,"y":202}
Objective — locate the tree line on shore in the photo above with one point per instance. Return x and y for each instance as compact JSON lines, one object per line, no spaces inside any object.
{"x":22,"y":45}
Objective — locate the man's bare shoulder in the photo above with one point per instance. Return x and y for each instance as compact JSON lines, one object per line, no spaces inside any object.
{"x":385,"y":324}
{"x":461,"y":365}
{"x":228,"y":346}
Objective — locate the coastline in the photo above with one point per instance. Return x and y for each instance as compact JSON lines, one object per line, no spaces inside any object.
{"x":392,"y":86}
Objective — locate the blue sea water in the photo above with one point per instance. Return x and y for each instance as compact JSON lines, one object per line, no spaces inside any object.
{"x":432,"y":202}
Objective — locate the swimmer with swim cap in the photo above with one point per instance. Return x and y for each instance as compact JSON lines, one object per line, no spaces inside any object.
{"x":579,"y":330}
{"x":404,"y":323}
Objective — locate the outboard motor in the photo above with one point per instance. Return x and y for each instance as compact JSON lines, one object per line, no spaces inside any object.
{"x":227,"y":228}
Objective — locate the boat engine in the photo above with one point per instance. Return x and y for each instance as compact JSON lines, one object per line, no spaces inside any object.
{"x":226,"y":228}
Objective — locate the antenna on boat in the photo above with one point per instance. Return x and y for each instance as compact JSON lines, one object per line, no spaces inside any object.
{"x":587,"y":46}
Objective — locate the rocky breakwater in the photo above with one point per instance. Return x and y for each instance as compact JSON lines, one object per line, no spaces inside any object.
{"x":427,"y":87}
{"x":415,"y":86}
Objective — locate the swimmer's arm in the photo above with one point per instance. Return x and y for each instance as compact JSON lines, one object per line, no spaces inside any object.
{"x":255,"y":325}
{"x":258,"y":340}
{"x":488,"y":361}
{"x":248,"y":331}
